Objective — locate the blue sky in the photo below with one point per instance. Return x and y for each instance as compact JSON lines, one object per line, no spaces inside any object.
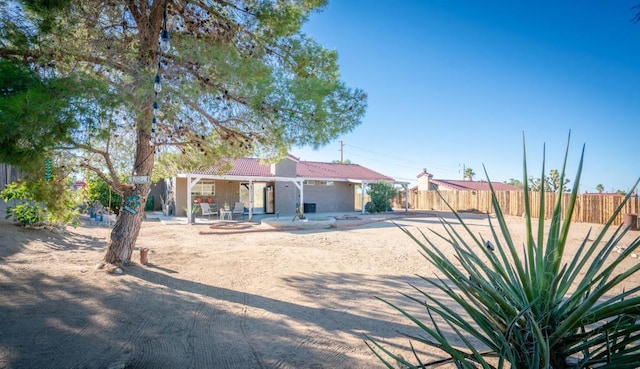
{"x":455,"y":83}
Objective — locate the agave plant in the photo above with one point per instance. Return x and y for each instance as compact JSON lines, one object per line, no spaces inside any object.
{"x":523,"y":307}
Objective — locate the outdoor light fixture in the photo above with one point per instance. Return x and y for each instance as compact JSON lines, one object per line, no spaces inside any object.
{"x":157,"y":85}
{"x":153,"y":127}
{"x":165,"y":45}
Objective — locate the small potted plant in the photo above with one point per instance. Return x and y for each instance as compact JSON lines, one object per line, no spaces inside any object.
{"x":194,"y":210}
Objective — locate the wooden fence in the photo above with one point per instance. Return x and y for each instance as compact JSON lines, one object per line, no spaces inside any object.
{"x":358,"y":201}
{"x":589,"y":208}
{"x":8,"y":174}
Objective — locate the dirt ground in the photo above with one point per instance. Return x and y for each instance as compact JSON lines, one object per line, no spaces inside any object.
{"x":210,"y":298}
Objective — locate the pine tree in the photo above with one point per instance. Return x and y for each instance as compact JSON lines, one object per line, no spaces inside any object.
{"x":238,"y":77}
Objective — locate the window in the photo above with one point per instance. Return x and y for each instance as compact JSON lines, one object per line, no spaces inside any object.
{"x":204,"y":188}
{"x":319,"y":183}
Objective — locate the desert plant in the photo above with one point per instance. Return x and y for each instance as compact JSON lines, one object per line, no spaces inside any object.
{"x":98,"y":189}
{"x":381,"y":194}
{"x":25,"y":209}
{"x":525,"y":307}
{"x":469,"y":174}
{"x":25,"y":212}
{"x":37,"y":201}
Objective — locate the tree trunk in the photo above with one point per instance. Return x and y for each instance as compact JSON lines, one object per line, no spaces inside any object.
{"x":125,"y":232}
{"x":123,"y":237}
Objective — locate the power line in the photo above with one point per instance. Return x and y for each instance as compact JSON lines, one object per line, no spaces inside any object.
{"x":402,"y":162}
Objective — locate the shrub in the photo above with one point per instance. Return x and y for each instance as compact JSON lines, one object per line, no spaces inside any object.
{"x":381,"y":194}
{"x":59,"y":203}
{"x":98,"y":189}
{"x":25,"y":212}
{"x":525,"y":307}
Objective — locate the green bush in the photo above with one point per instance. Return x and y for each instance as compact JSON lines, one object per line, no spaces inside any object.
{"x":36,"y":201}
{"x":97,"y":189}
{"x":25,"y":209}
{"x":26,"y":212}
{"x":381,"y":194}
{"x":522,"y":305}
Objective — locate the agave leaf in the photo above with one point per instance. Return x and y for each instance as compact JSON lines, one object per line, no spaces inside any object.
{"x":516,"y":301}
{"x":514,"y":273}
{"x":436,"y":257}
{"x":415,"y":355}
{"x":383,"y":349}
{"x":601,"y":258}
{"x":523,"y":274}
{"x":596,"y":279}
{"x":530,"y":242}
{"x":577,"y":316}
{"x":440,"y":339}
{"x":537,"y":272}
{"x":575,"y":266}
{"x":482,"y":319}
{"x":598,"y":340}
{"x":570,"y":206}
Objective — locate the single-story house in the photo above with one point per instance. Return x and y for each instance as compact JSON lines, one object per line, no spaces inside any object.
{"x":283,"y":187}
{"x":426,"y":182}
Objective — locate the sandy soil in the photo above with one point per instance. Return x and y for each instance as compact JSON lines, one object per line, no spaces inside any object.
{"x":214,"y":299}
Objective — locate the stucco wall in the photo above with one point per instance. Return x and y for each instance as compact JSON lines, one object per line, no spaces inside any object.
{"x":158,"y":191}
{"x":226,"y":192}
{"x":286,"y":197}
{"x":286,"y":168}
{"x":330,"y":199}
{"x":181,"y":196}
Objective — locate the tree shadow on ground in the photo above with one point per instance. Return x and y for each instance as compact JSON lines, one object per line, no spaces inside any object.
{"x":149,"y":319}
{"x":14,"y":238}
{"x":322,"y":322}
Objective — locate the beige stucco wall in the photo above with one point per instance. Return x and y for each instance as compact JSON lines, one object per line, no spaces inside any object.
{"x":226,"y":192}
{"x":181,"y":195}
{"x":330,"y":199}
{"x":286,"y":197}
{"x":286,"y":168}
{"x":423,"y":183}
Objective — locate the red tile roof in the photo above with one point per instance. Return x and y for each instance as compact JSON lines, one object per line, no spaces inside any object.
{"x":314,"y":169}
{"x":248,"y":167}
{"x":252,"y":167}
{"x":473,"y":185}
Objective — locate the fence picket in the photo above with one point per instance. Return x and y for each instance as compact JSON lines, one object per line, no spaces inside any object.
{"x":589,"y":208}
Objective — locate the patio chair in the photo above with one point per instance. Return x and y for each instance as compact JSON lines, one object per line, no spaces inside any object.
{"x":238,"y":209}
{"x":209,"y":209}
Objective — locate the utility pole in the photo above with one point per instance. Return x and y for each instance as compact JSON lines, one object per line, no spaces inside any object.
{"x":341,"y":152}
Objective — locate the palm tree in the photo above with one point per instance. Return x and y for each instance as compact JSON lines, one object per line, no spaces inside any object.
{"x":469,"y":173}
{"x":600,"y":187}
